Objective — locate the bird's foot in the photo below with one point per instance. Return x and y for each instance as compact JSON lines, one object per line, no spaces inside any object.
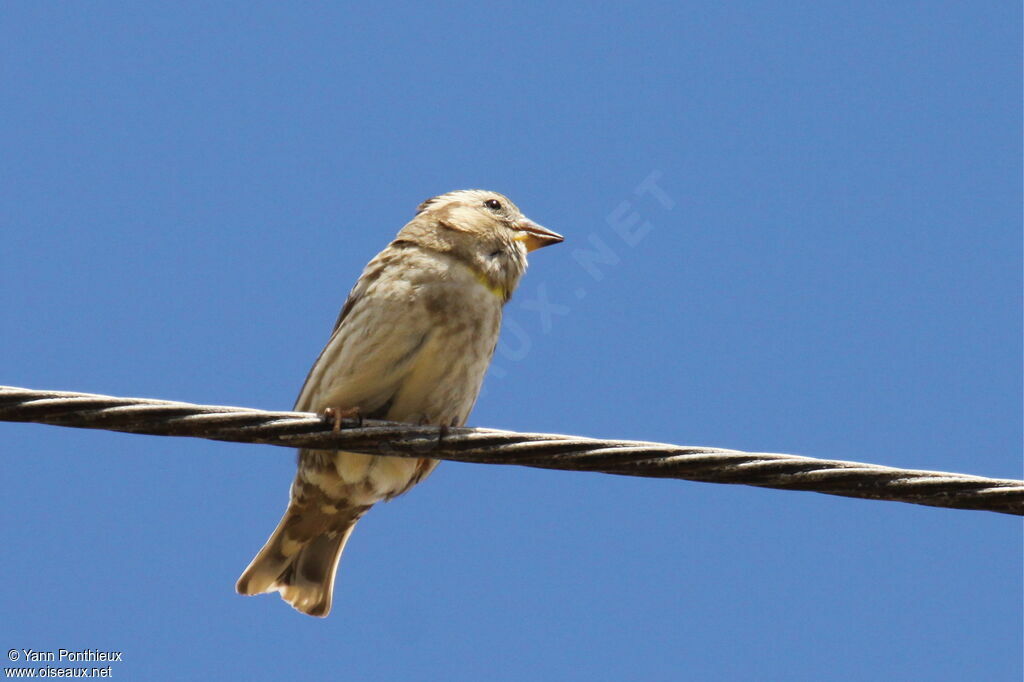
{"x":336,"y":415}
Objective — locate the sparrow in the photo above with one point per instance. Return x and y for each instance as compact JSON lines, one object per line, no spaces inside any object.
{"x":412,"y":344}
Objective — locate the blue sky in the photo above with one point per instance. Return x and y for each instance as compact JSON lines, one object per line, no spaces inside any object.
{"x":188,"y":190}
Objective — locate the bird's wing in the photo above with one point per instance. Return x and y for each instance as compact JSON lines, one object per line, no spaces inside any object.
{"x":374,"y":344}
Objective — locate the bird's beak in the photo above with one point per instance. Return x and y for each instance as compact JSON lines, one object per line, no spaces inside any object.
{"x":535,"y":236}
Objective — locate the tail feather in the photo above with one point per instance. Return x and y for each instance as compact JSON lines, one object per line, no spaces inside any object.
{"x":301,"y":565}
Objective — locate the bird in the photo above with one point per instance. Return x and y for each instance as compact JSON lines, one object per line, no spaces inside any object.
{"x":412,"y":344}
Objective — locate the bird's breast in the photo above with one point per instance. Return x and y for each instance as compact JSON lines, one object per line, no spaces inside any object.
{"x":445,"y":376}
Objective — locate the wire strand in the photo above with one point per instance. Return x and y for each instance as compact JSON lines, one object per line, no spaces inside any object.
{"x":491,"y":446}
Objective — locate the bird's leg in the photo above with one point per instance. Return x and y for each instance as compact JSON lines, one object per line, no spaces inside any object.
{"x":443,"y":433}
{"x":335,"y":415}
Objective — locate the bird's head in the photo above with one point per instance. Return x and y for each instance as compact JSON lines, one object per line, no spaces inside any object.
{"x":482,"y":229}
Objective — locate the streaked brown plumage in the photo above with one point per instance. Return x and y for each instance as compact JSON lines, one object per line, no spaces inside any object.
{"x":412,"y":344}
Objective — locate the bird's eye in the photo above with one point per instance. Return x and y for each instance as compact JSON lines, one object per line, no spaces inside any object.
{"x":493,"y":204}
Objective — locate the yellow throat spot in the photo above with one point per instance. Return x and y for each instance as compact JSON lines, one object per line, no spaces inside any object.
{"x":495,"y":289}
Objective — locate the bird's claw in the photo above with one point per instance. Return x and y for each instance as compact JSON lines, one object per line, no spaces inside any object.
{"x":336,"y":415}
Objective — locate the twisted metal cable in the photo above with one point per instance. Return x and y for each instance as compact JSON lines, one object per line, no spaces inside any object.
{"x":490,"y":446}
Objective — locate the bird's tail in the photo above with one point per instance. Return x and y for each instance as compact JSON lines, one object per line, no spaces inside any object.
{"x":301,"y":557}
